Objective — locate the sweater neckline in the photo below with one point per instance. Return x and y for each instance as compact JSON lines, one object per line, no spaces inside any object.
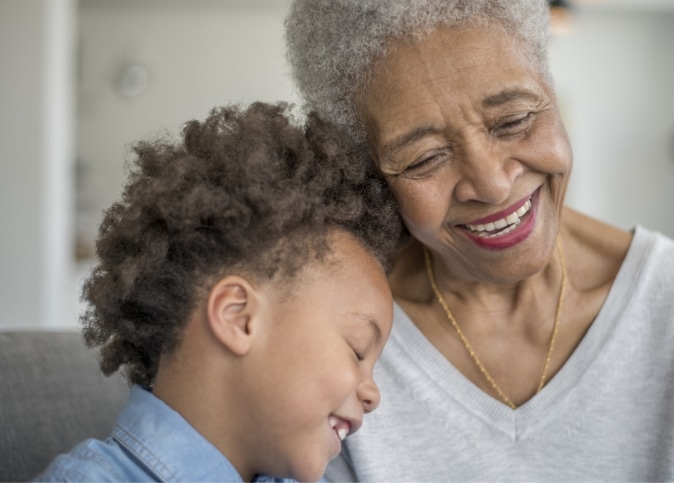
{"x":515,"y":422}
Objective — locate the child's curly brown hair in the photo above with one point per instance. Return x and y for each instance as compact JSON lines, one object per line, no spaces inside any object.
{"x":247,"y":189}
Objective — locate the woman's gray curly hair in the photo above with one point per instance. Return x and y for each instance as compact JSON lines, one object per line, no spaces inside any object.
{"x":333,"y":44}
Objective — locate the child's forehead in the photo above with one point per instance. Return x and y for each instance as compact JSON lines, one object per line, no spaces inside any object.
{"x":345,"y":254}
{"x":343,"y":261}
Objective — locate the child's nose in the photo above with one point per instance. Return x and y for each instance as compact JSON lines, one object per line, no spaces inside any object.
{"x":369,"y":395}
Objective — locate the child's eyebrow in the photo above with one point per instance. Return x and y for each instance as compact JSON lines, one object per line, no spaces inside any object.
{"x":373,"y":325}
{"x":370,"y":321}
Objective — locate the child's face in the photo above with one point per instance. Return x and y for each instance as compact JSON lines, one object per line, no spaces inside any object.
{"x":315,"y":364}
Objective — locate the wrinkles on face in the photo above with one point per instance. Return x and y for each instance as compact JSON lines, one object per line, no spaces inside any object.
{"x":462,"y":126}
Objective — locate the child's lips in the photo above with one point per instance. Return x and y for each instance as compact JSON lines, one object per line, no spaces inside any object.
{"x":339,"y":426}
{"x":343,"y":427}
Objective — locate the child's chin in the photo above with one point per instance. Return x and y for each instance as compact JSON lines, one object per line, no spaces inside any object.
{"x":309,"y":474}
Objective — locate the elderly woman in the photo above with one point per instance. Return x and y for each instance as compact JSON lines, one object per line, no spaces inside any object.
{"x":530,"y":341}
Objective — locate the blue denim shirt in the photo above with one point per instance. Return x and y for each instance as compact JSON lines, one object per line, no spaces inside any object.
{"x":150,"y":442}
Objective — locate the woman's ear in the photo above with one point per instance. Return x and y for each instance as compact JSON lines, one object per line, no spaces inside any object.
{"x":232,"y":305}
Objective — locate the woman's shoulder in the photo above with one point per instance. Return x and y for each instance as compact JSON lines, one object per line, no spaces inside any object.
{"x":594,"y":250}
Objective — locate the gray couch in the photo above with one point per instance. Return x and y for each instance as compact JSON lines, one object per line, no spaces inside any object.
{"x":52,"y":397}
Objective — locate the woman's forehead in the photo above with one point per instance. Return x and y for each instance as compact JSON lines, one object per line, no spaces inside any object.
{"x":450,"y":69}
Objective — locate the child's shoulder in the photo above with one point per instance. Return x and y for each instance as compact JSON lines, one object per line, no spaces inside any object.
{"x":93,"y":460}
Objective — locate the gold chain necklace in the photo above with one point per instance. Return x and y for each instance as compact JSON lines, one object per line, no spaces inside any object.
{"x":469,"y":348}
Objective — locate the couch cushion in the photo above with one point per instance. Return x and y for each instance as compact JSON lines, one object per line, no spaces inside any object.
{"x":53,"y":397}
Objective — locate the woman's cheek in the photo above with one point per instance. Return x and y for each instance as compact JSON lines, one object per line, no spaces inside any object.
{"x":421,"y":206}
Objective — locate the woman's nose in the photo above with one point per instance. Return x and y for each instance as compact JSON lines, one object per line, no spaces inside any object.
{"x":369,"y":395}
{"x":486,"y":173}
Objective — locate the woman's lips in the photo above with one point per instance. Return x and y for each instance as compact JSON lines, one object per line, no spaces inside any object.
{"x":505,"y":228}
{"x":501,"y":218}
{"x":502,"y":225}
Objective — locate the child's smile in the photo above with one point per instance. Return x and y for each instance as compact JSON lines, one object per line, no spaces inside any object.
{"x":314,"y":362}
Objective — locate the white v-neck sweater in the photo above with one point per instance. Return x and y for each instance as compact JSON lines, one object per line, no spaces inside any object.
{"x":607,"y":415}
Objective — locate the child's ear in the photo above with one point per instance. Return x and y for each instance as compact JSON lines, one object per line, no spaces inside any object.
{"x":232,"y":303}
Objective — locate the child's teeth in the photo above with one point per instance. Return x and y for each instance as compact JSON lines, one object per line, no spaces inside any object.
{"x":343,"y":429}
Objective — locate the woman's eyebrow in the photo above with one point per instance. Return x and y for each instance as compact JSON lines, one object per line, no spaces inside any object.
{"x":407,"y":138}
{"x":509,"y":95}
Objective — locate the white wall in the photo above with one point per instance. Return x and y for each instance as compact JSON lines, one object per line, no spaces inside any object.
{"x":615,"y":73}
{"x":197,"y":55}
{"x":36,"y":119}
{"x":615,"y":78}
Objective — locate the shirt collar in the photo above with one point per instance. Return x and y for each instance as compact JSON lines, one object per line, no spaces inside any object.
{"x":168,"y":444}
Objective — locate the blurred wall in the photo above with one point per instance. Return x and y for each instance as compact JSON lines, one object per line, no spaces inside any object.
{"x":147,"y":66}
{"x":36,"y":119}
{"x":614,"y":74}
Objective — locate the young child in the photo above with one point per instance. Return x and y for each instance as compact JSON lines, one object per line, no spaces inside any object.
{"x":240,"y":288}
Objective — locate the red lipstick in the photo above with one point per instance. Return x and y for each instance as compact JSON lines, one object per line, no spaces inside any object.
{"x":517,"y":234}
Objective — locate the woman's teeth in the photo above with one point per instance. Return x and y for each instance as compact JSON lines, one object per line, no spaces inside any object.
{"x":503,"y":226}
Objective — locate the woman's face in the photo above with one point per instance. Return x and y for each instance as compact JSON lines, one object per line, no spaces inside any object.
{"x":470,"y":140}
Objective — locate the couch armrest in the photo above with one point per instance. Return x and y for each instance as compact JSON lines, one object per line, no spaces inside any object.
{"x":53,"y":397}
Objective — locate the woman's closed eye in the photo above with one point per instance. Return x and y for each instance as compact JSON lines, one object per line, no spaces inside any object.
{"x":426,"y":164}
{"x":513,"y":125}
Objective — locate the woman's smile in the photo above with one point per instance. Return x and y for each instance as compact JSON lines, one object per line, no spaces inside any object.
{"x":495,"y":158}
{"x":505,"y":228}
{"x":541,"y":314}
